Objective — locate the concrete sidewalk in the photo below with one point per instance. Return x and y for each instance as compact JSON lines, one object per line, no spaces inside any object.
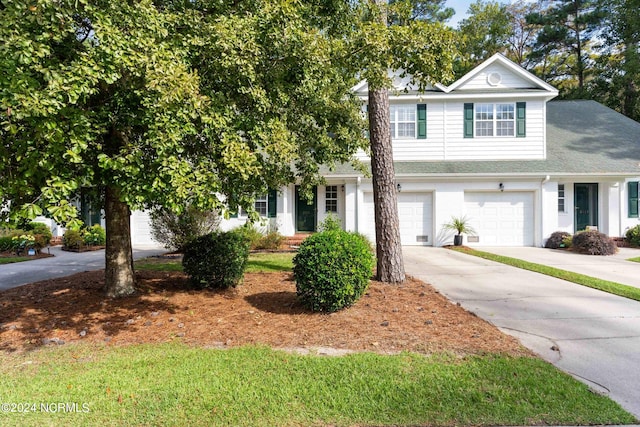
{"x":614,"y":268}
{"x":595,"y":335}
{"x":61,"y":264}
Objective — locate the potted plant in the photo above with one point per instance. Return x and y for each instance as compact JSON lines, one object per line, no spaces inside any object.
{"x":461,"y":226}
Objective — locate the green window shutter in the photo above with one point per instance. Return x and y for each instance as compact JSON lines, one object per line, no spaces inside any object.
{"x":521,"y":119}
{"x":272,"y":204}
{"x":468,"y":120}
{"x":422,"y":121}
{"x":633,"y":199}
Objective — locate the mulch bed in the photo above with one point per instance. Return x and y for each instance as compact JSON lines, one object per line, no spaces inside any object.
{"x":263,"y":310}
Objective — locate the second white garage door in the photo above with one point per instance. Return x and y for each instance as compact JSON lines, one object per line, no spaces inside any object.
{"x":501,"y":219}
{"x":415,"y":212}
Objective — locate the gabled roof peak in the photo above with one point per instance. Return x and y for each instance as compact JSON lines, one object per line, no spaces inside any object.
{"x":500,"y":60}
{"x":496,"y":75}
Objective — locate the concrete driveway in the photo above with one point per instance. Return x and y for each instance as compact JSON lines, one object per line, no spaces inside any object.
{"x":595,"y":335}
{"x":614,"y":268}
{"x":62,"y":264}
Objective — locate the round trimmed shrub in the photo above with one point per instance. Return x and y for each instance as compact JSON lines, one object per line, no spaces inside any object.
{"x":94,"y":236}
{"x":633,"y":236}
{"x":72,"y":239}
{"x":216,"y":260}
{"x":42,"y":229}
{"x":332,"y":270}
{"x":593,"y":243}
{"x":556,"y":240}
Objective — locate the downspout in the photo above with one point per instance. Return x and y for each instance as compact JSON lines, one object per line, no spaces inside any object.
{"x":542,"y":207}
{"x":358,"y":181}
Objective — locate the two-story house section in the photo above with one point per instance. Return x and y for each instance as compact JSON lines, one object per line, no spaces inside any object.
{"x":491,"y":146}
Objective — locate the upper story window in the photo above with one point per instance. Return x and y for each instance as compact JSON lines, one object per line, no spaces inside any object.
{"x":561,"y":198}
{"x":331,"y":198}
{"x":403,"y":121}
{"x":489,"y":120}
{"x":495,"y":119}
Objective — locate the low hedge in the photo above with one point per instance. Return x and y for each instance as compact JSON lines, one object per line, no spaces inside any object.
{"x":216,"y":260}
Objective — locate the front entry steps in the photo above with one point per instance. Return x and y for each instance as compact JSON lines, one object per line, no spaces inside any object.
{"x":296,"y":240}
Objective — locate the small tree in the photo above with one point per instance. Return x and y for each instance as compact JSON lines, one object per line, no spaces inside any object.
{"x":175,"y":231}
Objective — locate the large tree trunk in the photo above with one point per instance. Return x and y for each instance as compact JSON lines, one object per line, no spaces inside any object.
{"x":119,"y":274}
{"x":385,"y":198}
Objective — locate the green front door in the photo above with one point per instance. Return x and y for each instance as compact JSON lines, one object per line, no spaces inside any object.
{"x":305,"y":212}
{"x":586,"y":206}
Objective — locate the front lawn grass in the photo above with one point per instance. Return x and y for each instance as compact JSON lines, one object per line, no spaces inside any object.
{"x":172,"y":384}
{"x":259,"y":262}
{"x":10,"y":260}
{"x":592,"y":282}
{"x":270,"y":262}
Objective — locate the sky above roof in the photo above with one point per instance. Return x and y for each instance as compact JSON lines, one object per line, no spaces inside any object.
{"x":461,"y":7}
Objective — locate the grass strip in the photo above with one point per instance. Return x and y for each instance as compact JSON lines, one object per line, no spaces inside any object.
{"x":570,"y":276}
{"x":636,"y":259}
{"x":172,"y":384}
{"x":259,"y":262}
{"x":10,"y":260}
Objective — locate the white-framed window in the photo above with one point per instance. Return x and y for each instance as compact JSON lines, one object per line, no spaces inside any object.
{"x":261,"y":205}
{"x":561,"y":198}
{"x":403,"y":121}
{"x":331,"y":198}
{"x":495,"y":119}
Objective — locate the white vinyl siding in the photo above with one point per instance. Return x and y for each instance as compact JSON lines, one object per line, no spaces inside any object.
{"x":507,"y":80}
{"x":457,"y":147}
{"x":141,"y":229}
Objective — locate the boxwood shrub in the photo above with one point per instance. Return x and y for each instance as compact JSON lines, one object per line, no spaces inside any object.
{"x":332,"y":270}
{"x":6,"y":243}
{"x":633,"y":236}
{"x":216,"y":260}
{"x":593,"y":243}
{"x":42,"y":229}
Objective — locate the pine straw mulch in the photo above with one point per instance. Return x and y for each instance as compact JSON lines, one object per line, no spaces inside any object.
{"x":263,"y":310}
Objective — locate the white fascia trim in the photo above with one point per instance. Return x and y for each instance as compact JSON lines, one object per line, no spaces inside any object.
{"x":535,"y":175}
{"x":498,"y":57}
{"x":467,"y":96}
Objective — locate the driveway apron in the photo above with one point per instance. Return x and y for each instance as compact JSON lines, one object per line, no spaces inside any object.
{"x":589,"y":334}
{"x":61,"y":264}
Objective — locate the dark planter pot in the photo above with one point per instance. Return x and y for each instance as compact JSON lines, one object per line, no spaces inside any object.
{"x":457,"y":240}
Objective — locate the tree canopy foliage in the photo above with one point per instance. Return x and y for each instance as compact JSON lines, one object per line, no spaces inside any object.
{"x":588,"y":49}
{"x":167,"y":103}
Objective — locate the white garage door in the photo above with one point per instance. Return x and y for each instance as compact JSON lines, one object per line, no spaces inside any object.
{"x":501,"y":219}
{"x":141,"y":229}
{"x":415,"y":212}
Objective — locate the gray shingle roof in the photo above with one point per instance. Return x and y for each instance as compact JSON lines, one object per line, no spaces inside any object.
{"x":583,"y":138}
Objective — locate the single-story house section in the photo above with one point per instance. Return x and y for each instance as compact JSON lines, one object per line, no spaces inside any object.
{"x":491,"y":146}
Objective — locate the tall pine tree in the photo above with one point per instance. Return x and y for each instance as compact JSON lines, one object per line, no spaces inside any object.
{"x":563,"y":44}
